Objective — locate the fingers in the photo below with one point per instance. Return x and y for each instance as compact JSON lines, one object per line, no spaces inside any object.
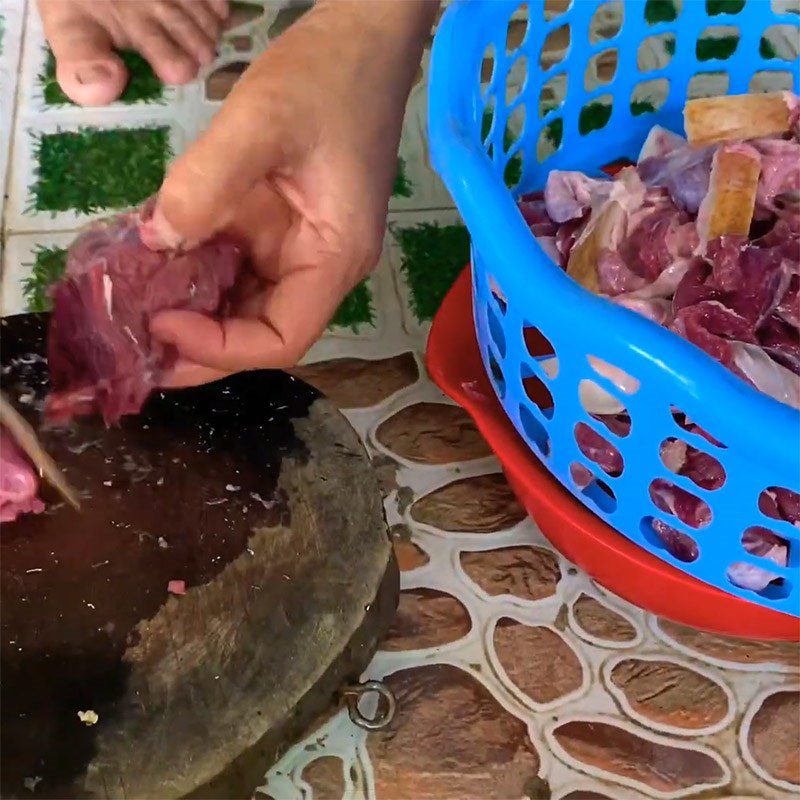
{"x":221,"y":8}
{"x":294,"y":316}
{"x":88,"y":70}
{"x":205,"y":187}
{"x":186,"y":373}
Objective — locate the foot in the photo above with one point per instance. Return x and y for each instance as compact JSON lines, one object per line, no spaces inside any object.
{"x":175,"y":36}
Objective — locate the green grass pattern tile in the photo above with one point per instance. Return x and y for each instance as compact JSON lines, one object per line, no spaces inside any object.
{"x":93,"y":170}
{"x":656,"y":11}
{"x":402,"y":185}
{"x":356,"y":310}
{"x":715,"y":7}
{"x":143,"y":87}
{"x":48,"y":266}
{"x":432,"y":258}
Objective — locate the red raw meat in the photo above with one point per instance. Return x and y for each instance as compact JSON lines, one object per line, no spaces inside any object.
{"x":101,"y":355}
{"x":780,"y":172}
{"x":763,"y":543}
{"x":598,"y":449}
{"x":678,"y":544}
{"x":19,"y":483}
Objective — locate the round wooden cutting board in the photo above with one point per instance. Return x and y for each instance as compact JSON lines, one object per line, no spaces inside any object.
{"x":258,"y":495}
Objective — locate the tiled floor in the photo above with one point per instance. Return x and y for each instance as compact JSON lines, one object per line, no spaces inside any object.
{"x":516,"y":675}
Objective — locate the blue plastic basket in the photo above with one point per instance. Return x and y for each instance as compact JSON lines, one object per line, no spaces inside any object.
{"x":760,"y":437}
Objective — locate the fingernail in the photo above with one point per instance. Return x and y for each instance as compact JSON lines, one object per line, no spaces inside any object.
{"x":93,"y":73}
{"x":157,"y":234}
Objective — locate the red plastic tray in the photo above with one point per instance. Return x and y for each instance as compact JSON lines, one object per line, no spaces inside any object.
{"x":625,"y":569}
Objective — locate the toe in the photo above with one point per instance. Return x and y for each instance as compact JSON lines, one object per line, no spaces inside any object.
{"x":169,"y":60}
{"x":88,"y":70}
{"x":220,"y":7}
{"x":204,"y":17}
{"x":184,"y":30}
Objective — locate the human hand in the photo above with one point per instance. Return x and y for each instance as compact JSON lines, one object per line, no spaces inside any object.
{"x":299,"y":163}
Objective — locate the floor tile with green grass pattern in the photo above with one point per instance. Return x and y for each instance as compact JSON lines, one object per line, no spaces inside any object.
{"x":92,"y":170}
{"x":432,"y":256}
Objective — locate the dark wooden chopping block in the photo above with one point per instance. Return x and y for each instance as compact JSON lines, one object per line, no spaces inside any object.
{"x":257,"y":494}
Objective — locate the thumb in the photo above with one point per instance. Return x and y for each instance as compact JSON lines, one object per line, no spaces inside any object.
{"x":205,"y":187}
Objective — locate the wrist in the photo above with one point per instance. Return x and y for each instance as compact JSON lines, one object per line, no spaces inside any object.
{"x":397,"y":24}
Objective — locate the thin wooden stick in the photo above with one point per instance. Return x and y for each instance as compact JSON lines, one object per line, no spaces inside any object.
{"x":25,"y":436}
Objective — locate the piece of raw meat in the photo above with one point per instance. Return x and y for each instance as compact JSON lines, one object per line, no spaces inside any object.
{"x":765,"y":544}
{"x":568,"y":195}
{"x":101,"y":355}
{"x":19,"y":483}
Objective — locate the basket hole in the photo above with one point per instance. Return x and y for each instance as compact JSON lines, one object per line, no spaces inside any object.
{"x":786,"y":6}
{"x":649,"y":96}
{"x":680,"y":503}
{"x":487,"y":120}
{"x":708,"y":84}
{"x":595,"y":115}
{"x":517,"y":29}
{"x":599,"y":450}
{"x":539,"y":345}
{"x":594,"y":489}
{"x":496,"y":331}
{"x":619,"y":424}
{"x":779,"y":42}
{"x":597,"y":401}
{"x":717,"y":7}
{"x":701,"y":468}
{"x":601,"y":69}
{"x":516,"y":79}
{"x":664,"y":537}
{"x":536,"y":391}
{"x":551,"y":137}
{"x":655,"y":52}
{"x":778,"y":502}
{"x":512,"y":174}
{"x":515,"y":124}
{"x":656,"y":11}
{"x":717,"y":42}
{"x":607,"y":21}
{"x":685,"y":423}
{"x":498,"y":296}
{"x":552,"y":94}
{"x":772,"y":550}
{"x":771,"y":81}
{"x":555,"y":8}
{"x":487,"y":65}
{"x":618,"y":377}
{"x":555,"y":48}
{"x":535,"y":431}
{"x":496,"y":375}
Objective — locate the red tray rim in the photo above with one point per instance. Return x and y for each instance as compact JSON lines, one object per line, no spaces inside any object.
{"x":454,"y":363}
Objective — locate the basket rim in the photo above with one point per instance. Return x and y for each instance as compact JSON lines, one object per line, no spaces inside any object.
{"x":500,"y":235}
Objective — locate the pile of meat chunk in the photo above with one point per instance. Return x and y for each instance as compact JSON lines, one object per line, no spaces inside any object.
{"x":702,"y":236}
